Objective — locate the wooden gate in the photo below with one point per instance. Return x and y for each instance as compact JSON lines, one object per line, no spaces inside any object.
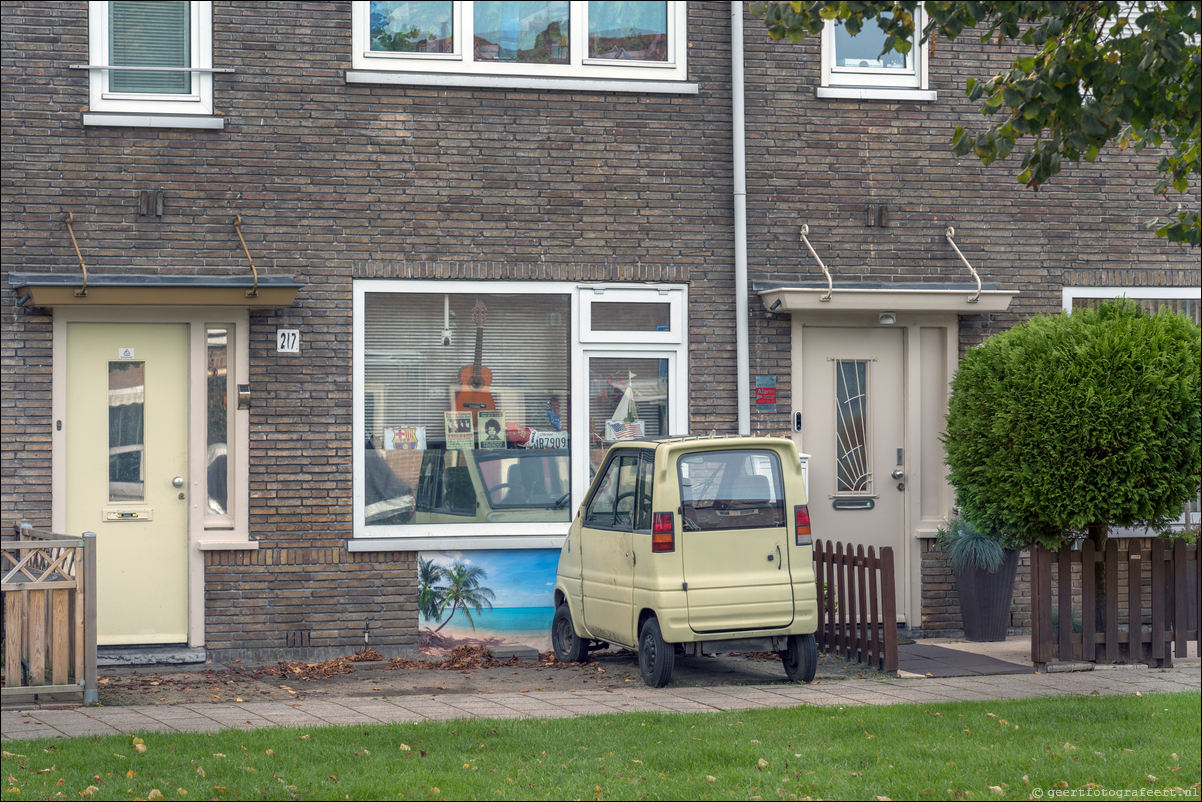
{"x":49,"y":587}
{"x":857,"y":604}
{"x":1147,"y":613}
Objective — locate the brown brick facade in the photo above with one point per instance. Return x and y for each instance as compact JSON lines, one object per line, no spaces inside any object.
{"x":338,"y":181}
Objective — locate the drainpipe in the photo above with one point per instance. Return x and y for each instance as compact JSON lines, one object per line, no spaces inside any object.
{"x":742,"y":355}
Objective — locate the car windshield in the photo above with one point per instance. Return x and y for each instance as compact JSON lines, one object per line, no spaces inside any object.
{"x":519,"y":478}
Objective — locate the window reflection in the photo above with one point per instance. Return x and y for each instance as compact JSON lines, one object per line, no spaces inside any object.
{"x":411,"y":27}
{"x":216,"y":410}
{"x":529,"y":31}
{"x":627,"y":31}
{"x":864,"y":49}
{"x":127,"y":448}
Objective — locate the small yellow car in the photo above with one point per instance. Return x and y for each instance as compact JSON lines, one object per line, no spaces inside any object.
{"x":691,"y":545}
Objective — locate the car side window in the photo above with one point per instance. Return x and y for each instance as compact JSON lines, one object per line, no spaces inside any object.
{"x":731,"y":490}
{"x":613,"y":504}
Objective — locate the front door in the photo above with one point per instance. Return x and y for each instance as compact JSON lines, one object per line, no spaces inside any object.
{"x":127,"y":473}
{"x":853,"y":427}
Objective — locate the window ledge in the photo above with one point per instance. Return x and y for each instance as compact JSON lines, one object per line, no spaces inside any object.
{"x":520,"y":82}
{"x":875,"y":93}
{"x":229,"y":545}
{"x":134,"y":120}
{"x":437,"y":543}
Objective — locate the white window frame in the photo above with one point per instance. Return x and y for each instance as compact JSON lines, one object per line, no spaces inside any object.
{"x":549,"y":534}
{"x":876,"y":83}
{"x":199,"y":102}
{"x":460,"y":61}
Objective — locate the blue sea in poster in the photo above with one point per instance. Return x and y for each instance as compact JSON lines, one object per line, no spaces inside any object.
{"x":502,"y":621}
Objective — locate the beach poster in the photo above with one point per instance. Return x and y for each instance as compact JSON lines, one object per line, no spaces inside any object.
{"x":486,"y":597}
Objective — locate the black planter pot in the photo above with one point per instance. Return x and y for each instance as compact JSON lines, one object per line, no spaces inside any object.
{"x":985,"y":599}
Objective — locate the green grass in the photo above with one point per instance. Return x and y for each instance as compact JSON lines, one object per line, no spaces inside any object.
{"x":954,"y":750}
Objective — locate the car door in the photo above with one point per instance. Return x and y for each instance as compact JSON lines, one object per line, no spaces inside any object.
{"x":606,"y":550}
{"x":734,"y":539}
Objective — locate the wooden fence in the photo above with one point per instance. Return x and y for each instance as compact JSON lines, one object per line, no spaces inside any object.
{"x":857,"y":603}
{"x":1147,"y":613}
{"x":49,"y":599}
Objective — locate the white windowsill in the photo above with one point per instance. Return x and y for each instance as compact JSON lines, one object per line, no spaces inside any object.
{"x":134,"y":120}
{"x":454,"y":542}
{"x":228,"y":545}
{"x":520,"y":82}
{"x":875,"y":93}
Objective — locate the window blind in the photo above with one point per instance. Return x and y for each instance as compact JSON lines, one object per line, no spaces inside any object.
{"x":154,"y":34}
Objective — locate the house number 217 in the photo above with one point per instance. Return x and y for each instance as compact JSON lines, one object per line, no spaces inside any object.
{"x":287,"y":341}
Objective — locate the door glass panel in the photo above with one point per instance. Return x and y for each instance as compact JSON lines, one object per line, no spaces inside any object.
{"x":127,"y":447}
{"x":216,"y":405}
{"x":613,"y":504}
{"x":621,"y":316}
{"x":628,"y":399}
{"x":852,"y":455}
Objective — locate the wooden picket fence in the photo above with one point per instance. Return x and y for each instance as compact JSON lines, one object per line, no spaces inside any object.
{"x":1147,"y":614}
{"x":49,"y":599}
{"x":857,"y":603}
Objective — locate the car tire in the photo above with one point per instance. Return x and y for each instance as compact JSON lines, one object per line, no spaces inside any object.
{"x":801,"y":658}
{"x":568,"y":646}
{"x":656,"y":657}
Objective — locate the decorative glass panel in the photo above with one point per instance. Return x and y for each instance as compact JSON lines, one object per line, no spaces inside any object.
{"x":466,"y":408}
{"x":853,"y":464}
{"x":627,"y":30}
{"x":529,"y":31}
{"x":863,"y":51}
{"x":621,"y":316}
{"x":157,"y":34}
{"x":412,"y":27}
{"x":127,"y":448}
{"x":217,"y":404}
{"x":628,"y":399}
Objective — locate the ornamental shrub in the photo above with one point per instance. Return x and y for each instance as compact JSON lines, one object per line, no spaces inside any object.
{"x":1069,"y":424}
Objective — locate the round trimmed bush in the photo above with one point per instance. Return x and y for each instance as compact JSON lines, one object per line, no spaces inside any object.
{"x":1069,"y":424}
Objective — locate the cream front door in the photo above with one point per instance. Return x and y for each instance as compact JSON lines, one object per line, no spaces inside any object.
{"x":127,"y":473}
{"x":853,"y":427}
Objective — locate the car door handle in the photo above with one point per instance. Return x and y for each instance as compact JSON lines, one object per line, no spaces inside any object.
{"x":779,"y":561}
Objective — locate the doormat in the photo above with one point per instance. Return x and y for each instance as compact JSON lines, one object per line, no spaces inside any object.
{"x":936,"y":661}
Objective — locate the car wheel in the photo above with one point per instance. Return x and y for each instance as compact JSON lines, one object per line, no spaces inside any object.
{"x":801,"y":658}
{"x":656,"y":658}
{"x":568,"y":647}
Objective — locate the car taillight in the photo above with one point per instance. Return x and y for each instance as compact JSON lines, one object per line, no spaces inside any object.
{"x":662,"y":532}
{"x":801,"y":515}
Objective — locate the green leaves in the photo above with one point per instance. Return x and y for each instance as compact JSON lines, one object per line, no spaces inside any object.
{"x":1100,"y":73}
{"x":1073,"y":420}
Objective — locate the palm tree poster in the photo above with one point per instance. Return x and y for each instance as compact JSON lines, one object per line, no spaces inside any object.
{"x":486,"y":597}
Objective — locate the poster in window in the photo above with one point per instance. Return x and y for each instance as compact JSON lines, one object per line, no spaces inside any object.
{"x":492,"y":429}
{"x":405,"y":438}
{"x":459,"y":430}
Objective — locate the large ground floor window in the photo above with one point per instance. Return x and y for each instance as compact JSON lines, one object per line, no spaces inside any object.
{"x":481,"y":410}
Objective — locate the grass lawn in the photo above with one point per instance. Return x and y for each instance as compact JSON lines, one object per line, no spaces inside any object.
{"x":943,"y":751}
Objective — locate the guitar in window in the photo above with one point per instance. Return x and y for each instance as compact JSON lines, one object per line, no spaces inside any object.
{"x":476,"y":378}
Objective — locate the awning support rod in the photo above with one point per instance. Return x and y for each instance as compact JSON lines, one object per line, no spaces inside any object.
{"x":253,"y":292}
{"x":830,"y":284}
{"x":951,"y":232}
{"x":82,"y":292}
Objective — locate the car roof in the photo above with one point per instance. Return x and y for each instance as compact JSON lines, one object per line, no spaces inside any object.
{"x":716,"y":439}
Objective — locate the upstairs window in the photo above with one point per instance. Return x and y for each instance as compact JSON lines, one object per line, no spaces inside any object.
{"x":856,"y":63}
{"x":603,"y":39}
{"x":167,"y":48}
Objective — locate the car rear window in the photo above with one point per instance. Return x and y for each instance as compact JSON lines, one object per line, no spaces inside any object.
{"x":731,"y":490}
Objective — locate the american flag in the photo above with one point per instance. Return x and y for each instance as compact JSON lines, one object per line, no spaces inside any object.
{"x":625,"y":431}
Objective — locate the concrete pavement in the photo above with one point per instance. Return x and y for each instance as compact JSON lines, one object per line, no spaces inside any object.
{"x":85,"y":721}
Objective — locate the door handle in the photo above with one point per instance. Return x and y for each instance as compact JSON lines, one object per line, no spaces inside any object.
{"x":177,"y":481}
{"x":779,"y":561}
{"x":898,"y":474}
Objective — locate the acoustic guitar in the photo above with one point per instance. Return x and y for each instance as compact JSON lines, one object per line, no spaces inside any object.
{"x":475,"y":378}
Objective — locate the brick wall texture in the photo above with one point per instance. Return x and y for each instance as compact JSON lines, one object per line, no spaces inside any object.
{"x":336,"y":181}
